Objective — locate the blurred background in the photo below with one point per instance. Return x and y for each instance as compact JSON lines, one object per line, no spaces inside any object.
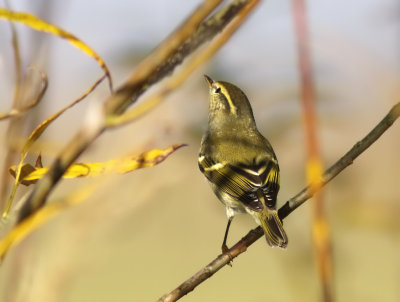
{"x":143,"y":233}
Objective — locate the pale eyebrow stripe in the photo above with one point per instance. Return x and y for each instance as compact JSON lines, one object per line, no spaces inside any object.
{"x":232,"y":107}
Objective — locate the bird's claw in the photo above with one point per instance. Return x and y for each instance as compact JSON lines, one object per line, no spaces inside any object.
{"x":225,"y":250}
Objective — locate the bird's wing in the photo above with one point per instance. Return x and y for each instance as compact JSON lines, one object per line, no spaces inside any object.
{"x":244,"y":182}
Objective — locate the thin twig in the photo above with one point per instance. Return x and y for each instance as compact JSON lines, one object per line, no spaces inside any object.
{"x":146,"y":105}
{"x":292,"y":204}
{"x":147,"y":75}
{"x":161,"y":62}
{"x":343,"y":162}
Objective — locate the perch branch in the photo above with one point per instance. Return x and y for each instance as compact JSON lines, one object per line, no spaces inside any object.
{"x":343,"y":162}
{"x":292,"y":204}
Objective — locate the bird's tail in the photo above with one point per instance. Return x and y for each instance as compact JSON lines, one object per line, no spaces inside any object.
{"x":273,"y":228}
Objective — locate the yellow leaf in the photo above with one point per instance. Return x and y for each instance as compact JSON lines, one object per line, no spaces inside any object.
{"x":33,"y":137}
{"x":43,"y":26}
{"x":25,"y":170}
{"x":37,"y":219}
{"x":30,"y":174}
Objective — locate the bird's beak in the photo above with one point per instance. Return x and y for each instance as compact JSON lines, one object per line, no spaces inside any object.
{"x":209,"y":80}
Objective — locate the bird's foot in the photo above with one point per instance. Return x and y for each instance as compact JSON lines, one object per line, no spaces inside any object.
{"x":225,"y":250}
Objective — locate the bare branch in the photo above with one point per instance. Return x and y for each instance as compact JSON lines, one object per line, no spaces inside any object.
{"x":146,"y":105}
{"x":293,"y":203}
{"x":343,"y":162}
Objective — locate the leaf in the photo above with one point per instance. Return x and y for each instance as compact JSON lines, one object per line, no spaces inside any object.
{"x":34,"y":136}
{"x":43,"y":26}
{"x":25,"y":170}
{"x":44,"y":214}
{"x":30,"y":174}
{"x":33,"y":222}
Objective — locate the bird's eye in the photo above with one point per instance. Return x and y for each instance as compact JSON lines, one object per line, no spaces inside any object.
{"x":218,"y":90}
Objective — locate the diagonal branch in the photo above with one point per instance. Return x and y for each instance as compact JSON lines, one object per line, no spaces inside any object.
{"x":343,"y":162}
{"x":292,"y":204}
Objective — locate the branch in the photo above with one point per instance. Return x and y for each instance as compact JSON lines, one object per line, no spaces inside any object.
{"x":343,"y":162}
{"x":292,"y":204}
{"x":172,"y":52}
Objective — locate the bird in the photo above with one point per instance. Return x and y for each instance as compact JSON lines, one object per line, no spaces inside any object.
{"x":240,"y":163}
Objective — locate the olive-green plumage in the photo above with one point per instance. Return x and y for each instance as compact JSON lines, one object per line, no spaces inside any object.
{"x":239,"y":162}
